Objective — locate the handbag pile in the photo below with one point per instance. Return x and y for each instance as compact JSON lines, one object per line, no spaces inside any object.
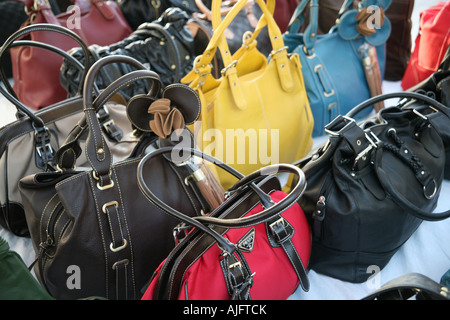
{"x":166,"y":150}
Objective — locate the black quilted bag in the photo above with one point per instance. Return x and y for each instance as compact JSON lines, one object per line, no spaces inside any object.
{"x":165,"y":46}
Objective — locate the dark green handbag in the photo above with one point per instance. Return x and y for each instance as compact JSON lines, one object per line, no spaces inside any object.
{"x":16,"y":281}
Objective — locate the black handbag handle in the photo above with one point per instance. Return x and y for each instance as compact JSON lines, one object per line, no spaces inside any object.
{"x":9,"y":92}
{"x":97,"y":151}
{"x":68,"y":153}
{"x":411,"y":95}
{"x":201,"y":222}
{"x":401,"y":200}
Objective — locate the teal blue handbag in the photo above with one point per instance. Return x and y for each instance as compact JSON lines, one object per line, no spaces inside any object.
{"x":333,"y":63}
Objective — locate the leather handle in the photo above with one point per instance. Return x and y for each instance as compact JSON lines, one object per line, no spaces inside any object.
{"x":400,"y":199}
{"x":264,"y":20}
{"x":202,"y":222}
{"x":310,"y":32}
{"x":218,"y":39}
{"x":68,"y":153}
{"x":410,"y":95}
{"x":9,"y":92}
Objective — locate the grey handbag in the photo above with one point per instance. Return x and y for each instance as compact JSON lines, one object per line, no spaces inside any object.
{"x":28,"y":145}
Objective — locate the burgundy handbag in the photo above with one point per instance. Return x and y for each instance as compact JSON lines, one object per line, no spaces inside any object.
{"x":35,"y":72}
{"x":255,"y":245}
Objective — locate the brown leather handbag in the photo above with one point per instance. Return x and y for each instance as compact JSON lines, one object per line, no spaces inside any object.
{"x":36,"y":73}
{"x":94,"y":232}
{"x":29,"y":143}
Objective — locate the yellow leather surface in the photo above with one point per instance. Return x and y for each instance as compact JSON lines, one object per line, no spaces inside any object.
{"x":257,"y":113}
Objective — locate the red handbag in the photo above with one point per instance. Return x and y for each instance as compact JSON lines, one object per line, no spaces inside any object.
{"x":255,"y":245}
{"x":430,"y":45}
{"x":35,"y":72}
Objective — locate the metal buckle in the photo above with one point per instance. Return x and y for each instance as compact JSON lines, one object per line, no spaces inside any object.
{"x":47,"y":148}
{"x":43,"y":147}
{"x":421,"y":115}
{"x":231,"y":65}
{"x":235,"y":265}
{"x":371,"y":145}
{"x":272,"y":53}
{"x":336,"y":121}
{"x":94,"y":175}
{"x":278,"y":222}
{"x":182,"y":227}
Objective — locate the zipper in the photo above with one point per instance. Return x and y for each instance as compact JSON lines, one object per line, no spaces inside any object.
{"x":319,"y":212}
{"x":51,"y":224}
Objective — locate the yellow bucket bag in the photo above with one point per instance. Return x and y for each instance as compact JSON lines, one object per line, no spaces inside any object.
{"x":257,"y":113}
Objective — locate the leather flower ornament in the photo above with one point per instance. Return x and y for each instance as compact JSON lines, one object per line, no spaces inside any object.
{"x":177,"y":106}
{"x":165,"y":120}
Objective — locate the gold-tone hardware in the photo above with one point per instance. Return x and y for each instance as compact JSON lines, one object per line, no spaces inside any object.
{"x":108,"y":204}
{"x":108,"y":186}
{"x":328,"y":94}
{"x":124,"y":244}
{"x":118,"y":263}
{"x":277,"y":51}
{"x":231,"y":65}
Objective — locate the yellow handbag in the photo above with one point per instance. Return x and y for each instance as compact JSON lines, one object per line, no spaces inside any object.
{"x":257,"y":113}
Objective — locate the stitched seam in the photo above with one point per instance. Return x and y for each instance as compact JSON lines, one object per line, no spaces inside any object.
{"x":128,"y":232}
{"x":71,"y":178}
{"x":181,"y":181}
{"x":95,"y":140}
{"x":62,"y":156}
{"x":111,"y":227}
{"x":102,"y":236}
{"x":43,"y":214}
{"x":63,"y":228}
{"x":196,"y":97}
{"x":51,"y":215}
{"x":120,"y":87}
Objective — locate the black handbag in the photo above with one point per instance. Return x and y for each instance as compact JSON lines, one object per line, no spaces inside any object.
{"x":437,"y":86}
{"x":164,"y":45}
{"x":28,"y":145}
{"x":371,"y":184}
{"x":95,"y":219}
{"x":137,"y":12}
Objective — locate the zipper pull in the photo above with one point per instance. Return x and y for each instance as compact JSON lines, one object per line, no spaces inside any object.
{"x":318,"y":216}
{"x":319,"y":213}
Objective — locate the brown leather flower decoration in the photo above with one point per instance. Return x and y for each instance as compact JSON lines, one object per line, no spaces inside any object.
{"x":366,"y":17}
{"x":165,"y":120}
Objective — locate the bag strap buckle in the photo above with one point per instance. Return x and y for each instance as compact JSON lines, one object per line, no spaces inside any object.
{"x":340,"y":123}
{"x":45,"y":154}
{"x":373,"y":144}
